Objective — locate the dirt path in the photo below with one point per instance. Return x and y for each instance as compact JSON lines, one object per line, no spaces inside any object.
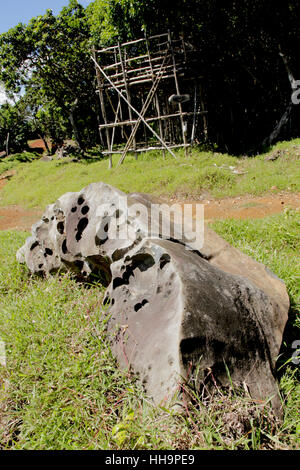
{"x":15,"y":217}
{"x":240,"y":207}
{"x":250,"y":207}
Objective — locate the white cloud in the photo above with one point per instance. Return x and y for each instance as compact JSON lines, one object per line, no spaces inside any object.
{"x":3,"y":96}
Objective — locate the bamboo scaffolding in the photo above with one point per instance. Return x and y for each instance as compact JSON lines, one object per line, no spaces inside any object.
{"x":125,"y":78}
{"x":110,"y":48}
{"x":147,"y":70}
{"x":145,"y":56}
{"x":177,"y":90}
{"x":151,"y":119}
{"x":102,"y":105}
{"x":155,"y":95}
{"x":153,"y":132}
{"x":146,"y":76}
{"x":143,"y":112}
{"x":147,"y":149}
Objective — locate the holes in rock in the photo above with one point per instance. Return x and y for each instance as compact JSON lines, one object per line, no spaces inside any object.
{"x":170,"y":360}
{"x":74,"y":209}
{"x":164,"y":259}
{"x":120,"y":281}
{"x":138,"y":306}
{"x":119,"y":253}
{"x":80,"y":200}
{"x":34,"y":245}
{"x":84,"y":273}
{"x":79,"y":264}
{"x":100,"y":241}
{"x":142,"y":261}
{"x":64,"y":247}
{"x":60,"y":227}
{"x":118,"y":213}
{"x":158,"y":290}
{"x":100,"y":269}
{"x":108,"y":301}
{"x":85,"y":210}
{"x":102,"y":236}
{"x":82,"y":224}
{"x":46,"y":220}
{"x":40,"y":266}
{"x":145,"y":380}
{"x":48,"y":252}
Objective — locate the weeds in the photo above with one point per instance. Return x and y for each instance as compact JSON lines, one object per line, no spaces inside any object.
{"x":184,"y":177}
{"x":62,"y":388}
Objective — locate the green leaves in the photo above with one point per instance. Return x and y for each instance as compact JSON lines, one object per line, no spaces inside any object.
{"x":50,"y":58}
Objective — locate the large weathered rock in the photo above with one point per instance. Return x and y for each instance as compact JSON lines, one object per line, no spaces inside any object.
{"x":172,"y":311}
{"x":176,"y":305}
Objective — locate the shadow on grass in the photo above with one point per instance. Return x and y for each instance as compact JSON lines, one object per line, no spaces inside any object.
{"x":290,"y":334}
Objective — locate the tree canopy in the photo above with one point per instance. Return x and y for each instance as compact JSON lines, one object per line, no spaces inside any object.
{"x":245,"y":51}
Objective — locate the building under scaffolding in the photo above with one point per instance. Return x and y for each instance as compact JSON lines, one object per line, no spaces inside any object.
{"x":150,"y":95}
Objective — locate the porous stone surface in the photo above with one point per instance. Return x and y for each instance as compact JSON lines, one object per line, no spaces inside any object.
{"x":178,"y":310}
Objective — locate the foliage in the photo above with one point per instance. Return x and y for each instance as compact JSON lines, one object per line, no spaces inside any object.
{"x":13,"y":121}
{"x":50,"y":59}
{"x":238,"y":46}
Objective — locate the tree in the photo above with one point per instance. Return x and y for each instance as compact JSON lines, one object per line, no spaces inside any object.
{"x":13,"y":123}
{"x":51,"y":54}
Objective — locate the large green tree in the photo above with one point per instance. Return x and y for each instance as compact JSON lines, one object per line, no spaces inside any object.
{"x":49,"y":60}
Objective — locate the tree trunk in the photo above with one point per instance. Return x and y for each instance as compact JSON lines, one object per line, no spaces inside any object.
{"x":7,"y":145}
{"x":73,"y":123}
{"x":46,"y":144}
{"x":271,"y":139}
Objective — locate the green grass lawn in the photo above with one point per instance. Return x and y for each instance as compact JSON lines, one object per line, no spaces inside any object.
{"x":39,"y":183}
{"x":61,"y":387}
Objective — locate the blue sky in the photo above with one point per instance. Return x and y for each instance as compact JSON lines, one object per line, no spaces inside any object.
{"x":13,"y":12}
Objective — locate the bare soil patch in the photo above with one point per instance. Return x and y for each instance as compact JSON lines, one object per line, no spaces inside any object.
{"x":248,"y":206}
{"x":240,"y":207}
{"x":17,"y":218}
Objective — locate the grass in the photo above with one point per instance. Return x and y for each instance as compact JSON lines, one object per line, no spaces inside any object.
{"x":62,"y":389}
{"x":39,"y":183}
